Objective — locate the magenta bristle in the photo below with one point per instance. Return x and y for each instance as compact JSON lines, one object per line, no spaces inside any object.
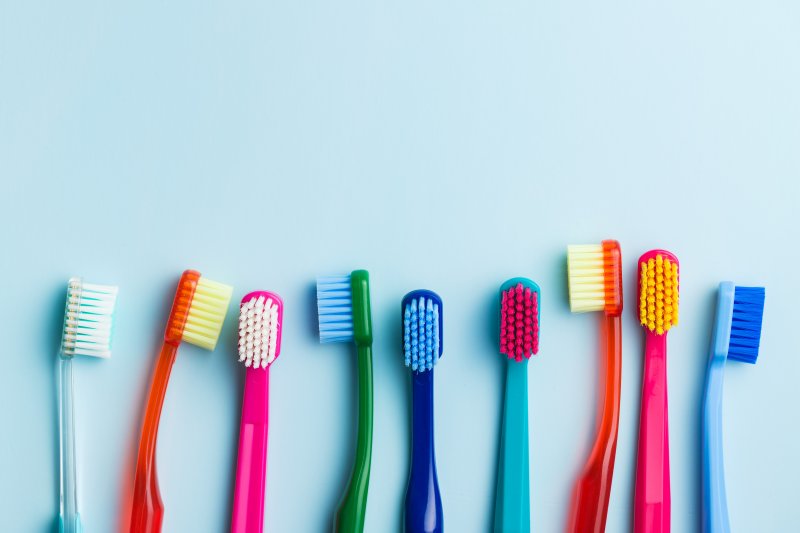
{"x":519,"y":325}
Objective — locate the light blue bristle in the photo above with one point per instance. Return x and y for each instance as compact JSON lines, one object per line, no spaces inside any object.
{"x":335,"y":309}
{"x":748,"y":311}
{"x":421,"y":334}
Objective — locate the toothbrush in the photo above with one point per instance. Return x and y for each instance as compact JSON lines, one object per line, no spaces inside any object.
{"x":658,"y":312}
{"x":260,"y":324}
{"x":344,"y":316}
{"x":737,"y":335}
{"x":519,"y":339}
{"x":594,"y":273}
{"x":88,"y":320}
{"x":422,"y":348}
{"x":198,"y":312}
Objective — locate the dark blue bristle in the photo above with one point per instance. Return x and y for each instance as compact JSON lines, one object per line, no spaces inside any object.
{"x":748,"y":310}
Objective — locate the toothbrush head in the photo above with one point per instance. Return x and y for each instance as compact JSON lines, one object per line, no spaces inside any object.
{"x":594,"y":275}
{"x":88,"y":319}
{"x":745,"y":331}
{"x":658,"y":291}
{"x":422,"y":329}
{"x":260,"y":321}
{"x":343,"y":307}
{"x":519,"y":318}
{"x":198,"y":311}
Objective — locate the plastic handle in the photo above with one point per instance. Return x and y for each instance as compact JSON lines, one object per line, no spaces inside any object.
{"x":715,"y":507}
{"x":512,"y":512}
{"x":593,"y":490}
{"x":251,"y":468}
{"x":353,"y":508}
{"x":423,"y":499}
{"x":69,"y":520}
{"x":147,"y":510}
{"x":651,"y":509}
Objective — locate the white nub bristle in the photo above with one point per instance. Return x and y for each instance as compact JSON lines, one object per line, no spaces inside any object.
{"x":258,"y":332}
{"x":88,"y":319}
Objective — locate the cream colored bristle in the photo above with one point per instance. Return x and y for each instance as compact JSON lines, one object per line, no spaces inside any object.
{"x":207,"y":313}
{"x":585,"y":278}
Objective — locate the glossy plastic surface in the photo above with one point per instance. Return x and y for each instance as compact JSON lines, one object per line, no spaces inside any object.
{"x":593,"y":489}
{"x":251,"y":468}
{"x":69,"y":519}
{"x":423,"y":512}
{"x":651,"y":511}
{"x":512,"y":512}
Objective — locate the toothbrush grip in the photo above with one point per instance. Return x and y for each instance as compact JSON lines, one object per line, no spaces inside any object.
{"x":147,"y":511}
{"x":351,"y":512}
{"x":423,"y":512}
{"x":651,"y":510}
{"x":69,"y":520}
{"x":715,"y":507}
{"x":251,"y":467}
{"x":593,"y":490}
{"x":512,"y":512}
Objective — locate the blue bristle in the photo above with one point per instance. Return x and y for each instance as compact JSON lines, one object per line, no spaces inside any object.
{"x":421,"y":334}
{"x":335,"y":309}
{"x":748,"y":310}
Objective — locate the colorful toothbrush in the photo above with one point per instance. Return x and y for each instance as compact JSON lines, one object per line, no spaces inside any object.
{"x":594,"y":272}
{"x":260,"y":324}
{"x":88,"y":320}
{"x":345,"y":316}
{"x":198,"y":312}
{"x":519,"y":339}
{"x":422,"y":347}
{"x":658,"y":312}
{"x":737,"y":334}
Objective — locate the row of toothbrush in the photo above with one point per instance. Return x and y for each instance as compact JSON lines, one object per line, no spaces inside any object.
{"x":595,"y":284}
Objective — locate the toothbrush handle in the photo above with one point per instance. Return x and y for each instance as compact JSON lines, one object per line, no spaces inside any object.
{"x":651,"y":509}
{"x":251,"y":468}
{"x":512,"y":512}
{"x":69,"y":519}
{"x":352,"y":510}
{"x":147,"y":510}
{"x":715,"y":506}
{"x":423,"y":500}
{"x":593,"y":490}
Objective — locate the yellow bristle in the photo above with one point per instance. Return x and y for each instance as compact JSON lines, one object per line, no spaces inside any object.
{"x":658,"y":294}
{"x":586,"y":278}
{"x":207,"y":313}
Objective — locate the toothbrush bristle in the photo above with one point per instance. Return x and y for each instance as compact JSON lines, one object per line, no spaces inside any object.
{"x":748,"y":311}
{"x":594,"y":275}
{"x":206,"y":313}
{"x":335,"y":309}
{"x":519,"y":322}
{"x":421,"y":332}
{"x":259,"y":329}
{"x":88,"y":319}
{"x":658,"y":291}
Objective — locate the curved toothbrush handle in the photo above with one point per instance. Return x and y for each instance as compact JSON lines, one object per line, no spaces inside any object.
{"x":593,"y":490}
{"x":251,"y":467}
{"x":352,"y":510}
{"x":651,"y":510}
{"x":423,"y":500}
{"x":512,"y":502}
{"x":715,"y":506}
{"x":69,"y":519}
{"x":147,"y":510}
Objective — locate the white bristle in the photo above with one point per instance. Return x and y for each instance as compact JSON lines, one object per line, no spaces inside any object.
{"x":88,"y":319}
{"x":258,"y":332}
{"x":335,"y":309}
{"x":585,"y":277}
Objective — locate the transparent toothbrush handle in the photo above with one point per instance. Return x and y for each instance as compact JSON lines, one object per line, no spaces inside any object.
{"x":68,"y":520}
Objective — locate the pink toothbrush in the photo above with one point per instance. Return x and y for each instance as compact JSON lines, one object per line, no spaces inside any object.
{"x":260,"y":318}
{"x":658,"y":312}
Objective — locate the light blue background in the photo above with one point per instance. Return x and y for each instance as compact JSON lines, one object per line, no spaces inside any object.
{"x":440,"y":145}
